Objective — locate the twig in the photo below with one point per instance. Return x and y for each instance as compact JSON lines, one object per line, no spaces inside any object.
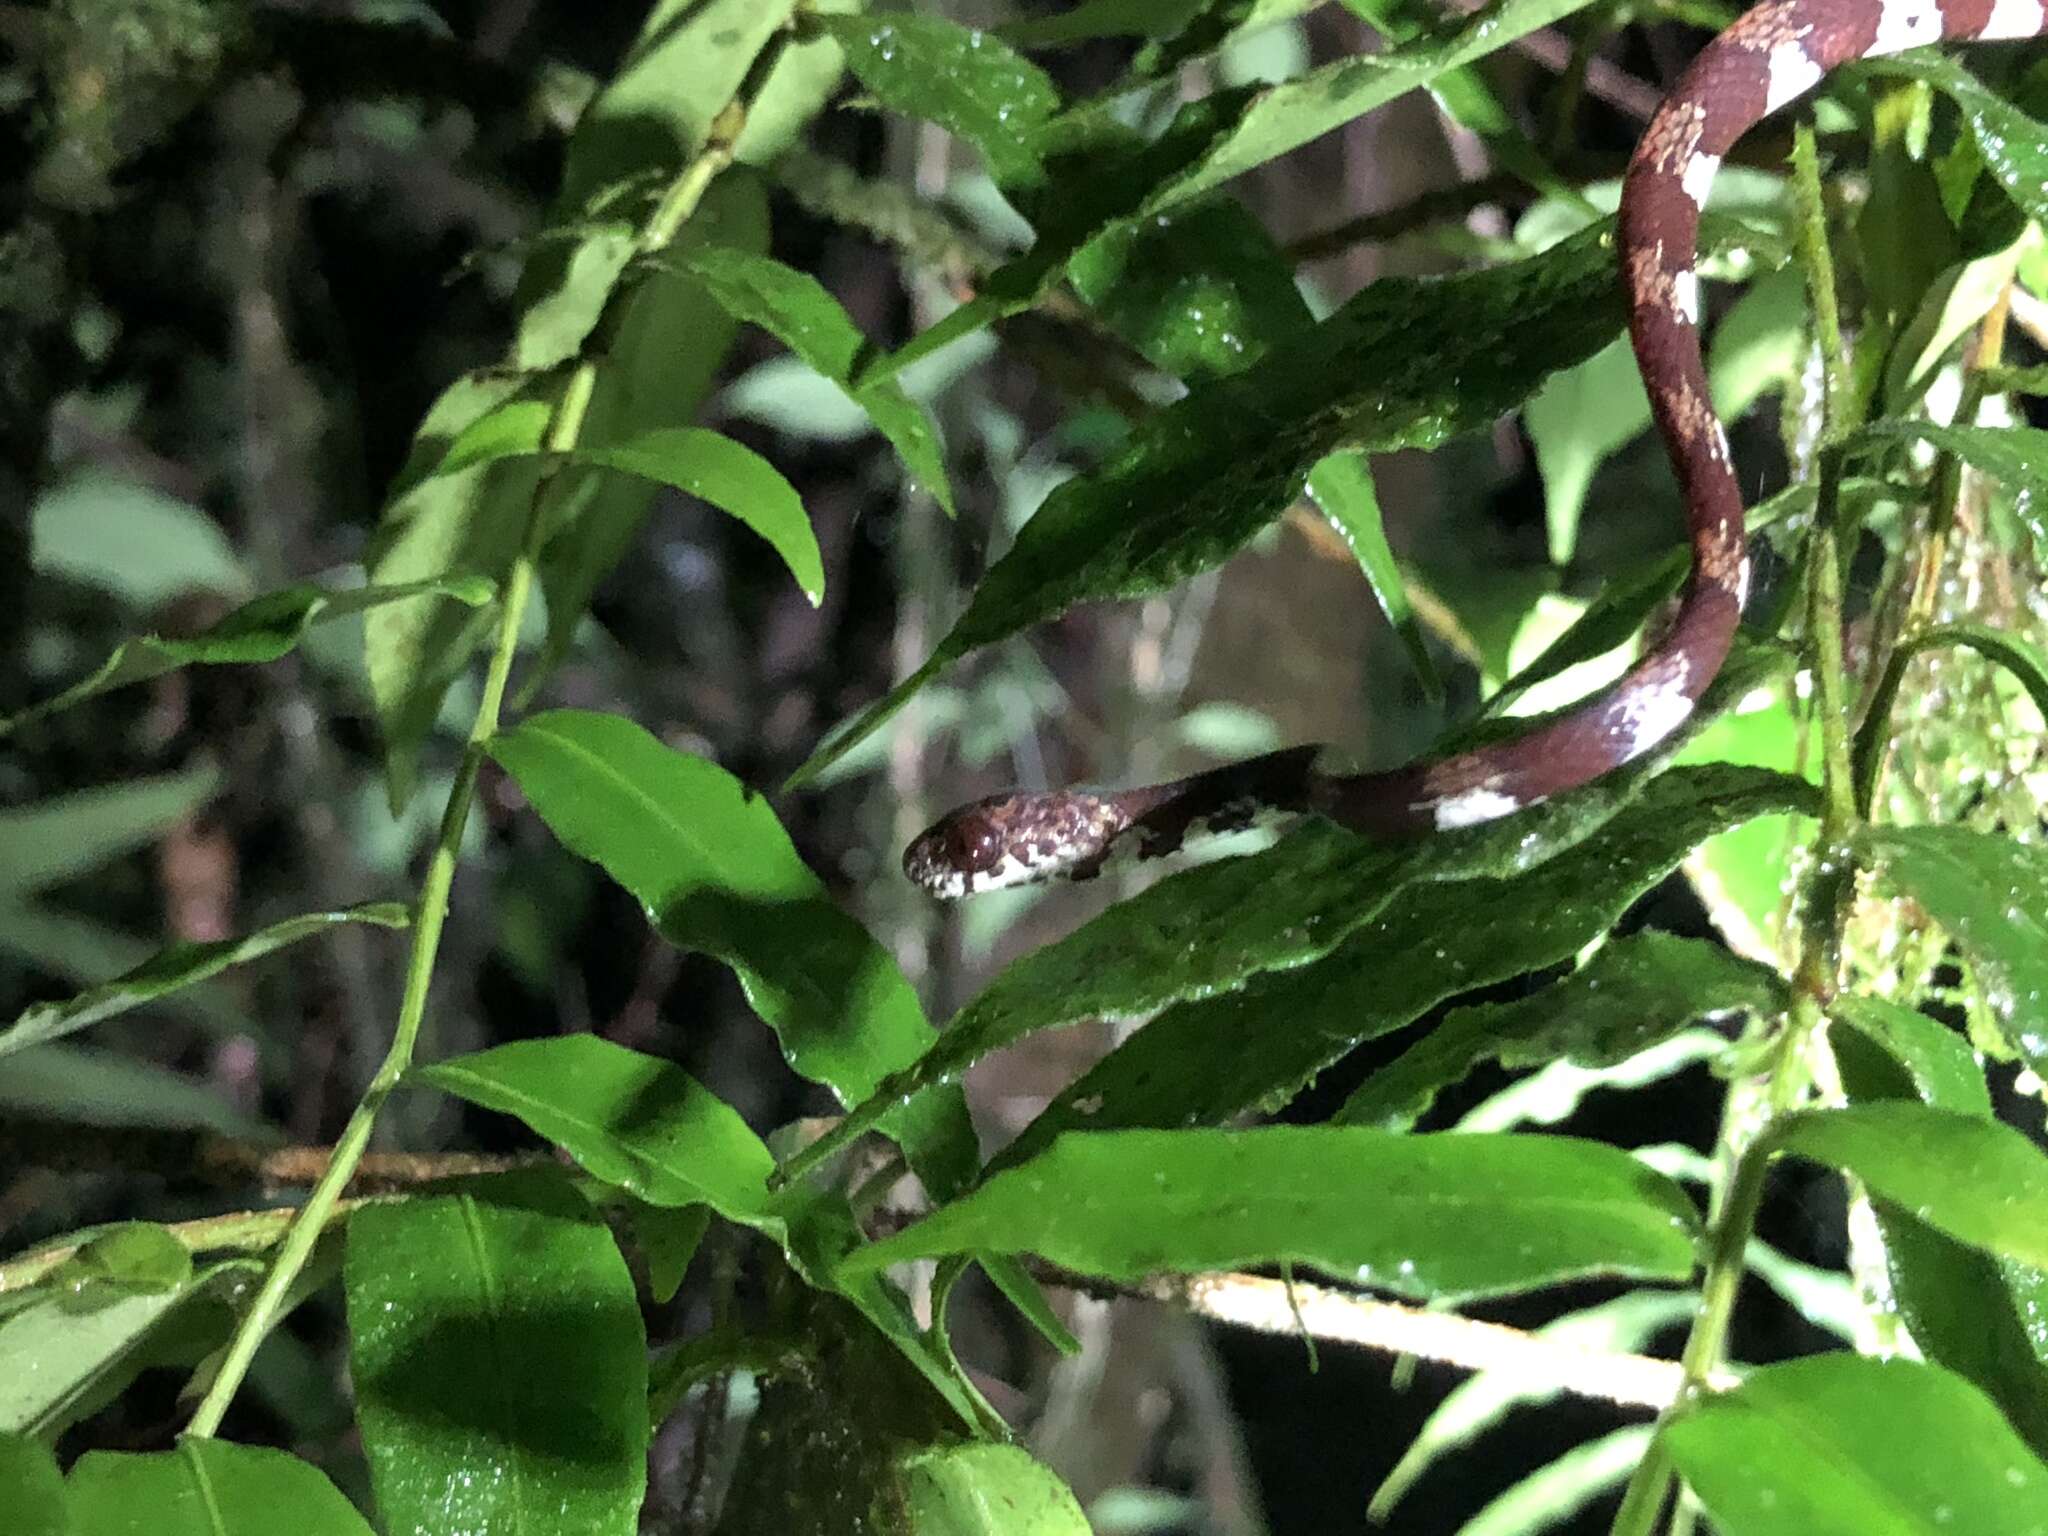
{"x":1342,"y":1317}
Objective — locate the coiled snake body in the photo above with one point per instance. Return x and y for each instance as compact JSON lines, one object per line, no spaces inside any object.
{"x":1768,"y":58}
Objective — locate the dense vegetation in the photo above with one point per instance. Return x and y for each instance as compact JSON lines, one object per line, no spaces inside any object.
{"x":524,"y":513}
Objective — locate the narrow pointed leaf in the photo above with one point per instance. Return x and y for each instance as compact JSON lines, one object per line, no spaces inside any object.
{"x":1973,"y":1312}
{"x":968,"y":82}
{"x":1981,"y":1182}
{"x":178,"y":967}
{"x":1342,"y":487}
{"x":1448,"y":1216}
{"x":1553,"y":1493}
{"x":1398,"y":366}
{"x":2010,"y":142}
{"x":500,"y":1364}
{"x":50,"y":842}
{"x":207,"y":1488}
{"x":1836,"y":1445}
{"x":1207,"y":1059}
{"x":262,"y":629}
{"x":1635,"y":993}
{"x":796,"y":309}
{"x":716,"y":872}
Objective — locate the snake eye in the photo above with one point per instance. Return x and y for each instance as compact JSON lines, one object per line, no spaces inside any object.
{"x":974,"y":843}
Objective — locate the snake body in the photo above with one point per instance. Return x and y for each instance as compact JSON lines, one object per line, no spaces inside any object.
{"x":1768,"y":58}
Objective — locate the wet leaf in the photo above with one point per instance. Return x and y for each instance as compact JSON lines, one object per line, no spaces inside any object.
{"x":499,"y":1363}
{"x":1407,"y":363}
{"x":716,"y":872}
{"x":630,"y":1119}
{"x":1837,"y":1445}
{"x":970,"y":83}
{"x":1980,"y":1182}
{"x":1449,"y":1215}
{"x":1991,"y":894}
{"x":1636,"y":992}
{"x":986,"y":1490}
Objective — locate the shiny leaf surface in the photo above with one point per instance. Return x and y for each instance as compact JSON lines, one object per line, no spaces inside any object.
{"x":1447,"y":1215}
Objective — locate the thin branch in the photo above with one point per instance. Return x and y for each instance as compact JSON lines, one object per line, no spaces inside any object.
{"x":1342,"y":1317}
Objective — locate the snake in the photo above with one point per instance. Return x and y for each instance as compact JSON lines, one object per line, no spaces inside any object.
{"x":1766,"y":59}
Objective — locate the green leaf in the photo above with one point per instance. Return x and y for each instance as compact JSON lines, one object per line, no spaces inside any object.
{"x":1450,"y":1216}
{"x":1836,"y":1445}
{"x":2011,"y":142}
{"x":63,"y":1082}
{"x":1611,"y":620}
{"x":32,"y":1489}
{"x":971,"y":84}
{"x":499,"y":1362}
{"x":1104,"y":18}
{"x":57,"y":840}
{"x":1969,"y":1311}
{"x":73,"y":1342}
{"x":672,"y":339}
{"x":177,"y":967}
{"x":669,"y":1237}
{"x":2024,"y":661}
{"x":986,"y":1490}
{"x":1582,"y":416}
{"x":796,"y":309}
{"x":733,"y":478}
{"x":1341,"y":486}
{"x":136,"y":542}
{"x":629,"y":1119}
{"x":1991,"y":894}
{"x":2018,"y":456}
{"x":136,"y":1254}
{"x":1636,"y":992}
{"x":1406,"y":363}
{"x":1981,"y":1182}
{"x":1201,"y":934}
{"x":260,"y":630}
{"x":434,"y":526}
{"x":716,"y":872}
{"x":1201,"y":291}
{"x":207,"y":1488}
{"x":1426,"y":942}
{"x":1284,"y":117}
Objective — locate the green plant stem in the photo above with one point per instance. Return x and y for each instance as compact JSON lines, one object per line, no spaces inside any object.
{"x":1827,"y":893}
{"x":565,"y":427}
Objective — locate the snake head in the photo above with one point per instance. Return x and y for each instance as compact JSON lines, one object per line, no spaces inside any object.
{"x":1010,"y":840}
